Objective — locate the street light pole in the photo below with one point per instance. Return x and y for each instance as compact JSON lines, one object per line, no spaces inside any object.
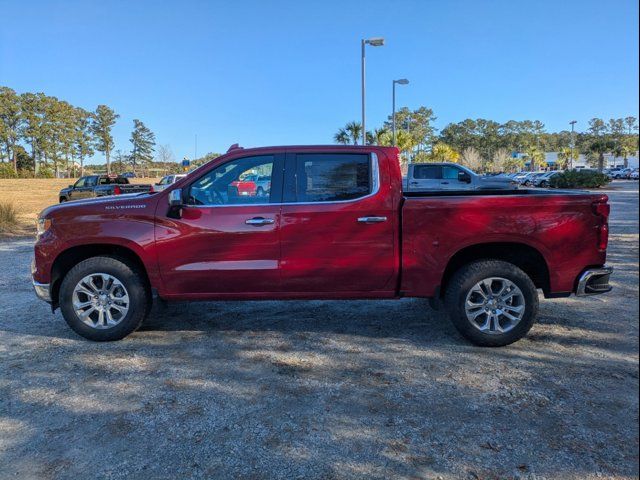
{"x":374,"y":42}
{"x":402,"y":81}
{"x":573,"y":142}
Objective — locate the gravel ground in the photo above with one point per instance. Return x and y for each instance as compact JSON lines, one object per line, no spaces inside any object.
{"x":323,"y":389}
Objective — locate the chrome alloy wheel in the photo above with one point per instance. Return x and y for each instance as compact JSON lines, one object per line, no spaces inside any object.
{"x":100,"y":300}
{"x":495,"y":305}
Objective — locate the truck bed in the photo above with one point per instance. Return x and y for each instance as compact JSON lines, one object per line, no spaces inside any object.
{"x":560,"y":225}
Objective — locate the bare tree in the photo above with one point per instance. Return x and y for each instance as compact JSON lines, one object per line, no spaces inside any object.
{"x":164,"y":154}
{"x":501,"y":160}
{"x":471,"y":159}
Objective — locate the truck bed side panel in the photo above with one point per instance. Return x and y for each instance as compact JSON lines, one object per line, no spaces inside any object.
{"x":563,"y":228}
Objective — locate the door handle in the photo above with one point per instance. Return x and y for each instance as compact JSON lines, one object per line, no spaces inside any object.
{"x":258,"y":221}
{"x":413,"y":183}
{"x":444,"y":183}
{"x":372,"y":219}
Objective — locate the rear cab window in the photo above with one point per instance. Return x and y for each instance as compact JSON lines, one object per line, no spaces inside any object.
{"x":328,"y":177}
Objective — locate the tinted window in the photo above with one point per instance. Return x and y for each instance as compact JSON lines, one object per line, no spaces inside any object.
{"x":450,"y":173}
{"x":80,"y":182}
{"x":427,"y":172}
{"x":332,"y":177}
{"x":90,"y":181}
{"x":233,"y":183}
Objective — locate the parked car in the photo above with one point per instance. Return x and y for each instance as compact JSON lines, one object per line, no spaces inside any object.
{"x":100,"y":186}
{"x":634,"y":175}
{"x":621,"y":173}
{"x":530,"y":179}
{"x":543,"y":180}
{"x":337,"y":225}
{"x":166,"y":181}
{"x":129,"y":175}
{"x":451,"y":176}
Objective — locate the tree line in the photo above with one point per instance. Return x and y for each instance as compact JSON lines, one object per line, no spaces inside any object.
{"x":40,"y":134}
{"x":486,"y":145}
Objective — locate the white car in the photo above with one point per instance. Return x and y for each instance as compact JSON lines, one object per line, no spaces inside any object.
{"x":166,"y":181}
{"x":543,"y":180}
{"x":634,"y":175}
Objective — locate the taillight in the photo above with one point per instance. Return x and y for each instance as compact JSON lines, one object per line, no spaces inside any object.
{"x":116,"y":190}
{"x":602,"y":211}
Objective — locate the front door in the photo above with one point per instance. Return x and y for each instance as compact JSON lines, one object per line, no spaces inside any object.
{"x":227,"y":239}
{"x":337,"y":224}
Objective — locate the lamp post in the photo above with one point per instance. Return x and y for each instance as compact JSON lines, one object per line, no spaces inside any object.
{"x":573,"y":143}
{"x":374,"y":42}
{"x":402,"y":81}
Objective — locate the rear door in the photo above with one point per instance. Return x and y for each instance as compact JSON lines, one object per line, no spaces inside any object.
{"x":338,"y":225}
{"x":425,"y":177}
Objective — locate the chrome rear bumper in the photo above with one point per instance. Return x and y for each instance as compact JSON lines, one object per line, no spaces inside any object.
{"x":42,"y":291}
{"x":594,"y":281}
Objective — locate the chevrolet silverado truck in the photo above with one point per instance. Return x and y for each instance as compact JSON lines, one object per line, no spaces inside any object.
{"x":336,"y":224}
{"x":99,"y":186}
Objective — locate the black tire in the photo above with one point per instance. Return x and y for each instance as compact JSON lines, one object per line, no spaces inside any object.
{"x":260,"y":192}
{"x":132,"y":279}
{"x":63,"y":199}
{"x":468,"y":276}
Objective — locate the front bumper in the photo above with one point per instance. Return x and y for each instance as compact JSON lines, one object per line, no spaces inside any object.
{"x":594,"y":281}
{"x":42,"y":291}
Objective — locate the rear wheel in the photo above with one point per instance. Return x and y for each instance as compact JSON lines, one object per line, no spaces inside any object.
{"x":492,"y":303}
{"x":104,"y":298}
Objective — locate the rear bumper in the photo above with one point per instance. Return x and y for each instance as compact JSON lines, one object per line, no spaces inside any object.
{"x":594,"y":281}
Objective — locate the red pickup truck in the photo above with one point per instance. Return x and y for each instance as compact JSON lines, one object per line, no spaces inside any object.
{"x":334,"y":225}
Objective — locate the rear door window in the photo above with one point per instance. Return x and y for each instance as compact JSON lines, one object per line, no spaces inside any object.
{"x":331,"y":177}
{"x":427,"y":172}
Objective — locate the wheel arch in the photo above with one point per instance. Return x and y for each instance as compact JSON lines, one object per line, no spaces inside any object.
{"x":525,"y":257}
{"x":74,"y":255}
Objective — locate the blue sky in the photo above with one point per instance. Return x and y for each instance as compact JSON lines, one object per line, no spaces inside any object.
{"x":288,"y":72}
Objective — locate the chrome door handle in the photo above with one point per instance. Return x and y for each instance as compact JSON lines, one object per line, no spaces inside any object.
{"x":372,"y":219}
{"x":257,"y":221}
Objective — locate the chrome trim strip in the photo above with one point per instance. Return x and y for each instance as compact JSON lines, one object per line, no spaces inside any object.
{"x":375,"y":170}
{"x":42,"y":291}
{"x":586,"y":276}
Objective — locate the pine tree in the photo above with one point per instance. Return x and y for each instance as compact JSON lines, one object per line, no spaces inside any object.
{"x":104,"y":119}
{"x":143,"y":143}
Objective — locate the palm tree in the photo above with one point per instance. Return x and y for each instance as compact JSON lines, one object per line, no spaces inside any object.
{"x":564,"y":157}
{"x":380,"y":136}
{"x":342,"y":137}
{"x":351,"y":133}
{"x":441,"y":152}
{"x":535,"y":156}
{"x":355,"y":131}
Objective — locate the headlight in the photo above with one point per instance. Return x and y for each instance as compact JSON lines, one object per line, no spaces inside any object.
{"x":43,"y":225}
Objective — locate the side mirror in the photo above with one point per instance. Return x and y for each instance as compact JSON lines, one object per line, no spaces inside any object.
{"x":464,"y":177}
{"x":175,"y":198}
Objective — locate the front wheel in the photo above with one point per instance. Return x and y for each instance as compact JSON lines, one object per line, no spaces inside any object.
{"x":104,"y":298}
{"x":492,"y":303}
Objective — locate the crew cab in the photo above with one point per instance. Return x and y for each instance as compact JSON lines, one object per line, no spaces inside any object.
{"x":451,"y":176}
{"x":336,"y":224}
{"x":100,"y":186}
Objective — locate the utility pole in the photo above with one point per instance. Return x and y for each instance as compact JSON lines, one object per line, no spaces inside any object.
{"x":573,"y":143}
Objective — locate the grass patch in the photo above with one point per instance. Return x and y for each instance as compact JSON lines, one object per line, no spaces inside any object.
{"x":8,"y":217}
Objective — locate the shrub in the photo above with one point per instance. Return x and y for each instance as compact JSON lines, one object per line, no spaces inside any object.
{"x":579,"y":179}
{"x":7,"y":171}
{"x":8,"y":217}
